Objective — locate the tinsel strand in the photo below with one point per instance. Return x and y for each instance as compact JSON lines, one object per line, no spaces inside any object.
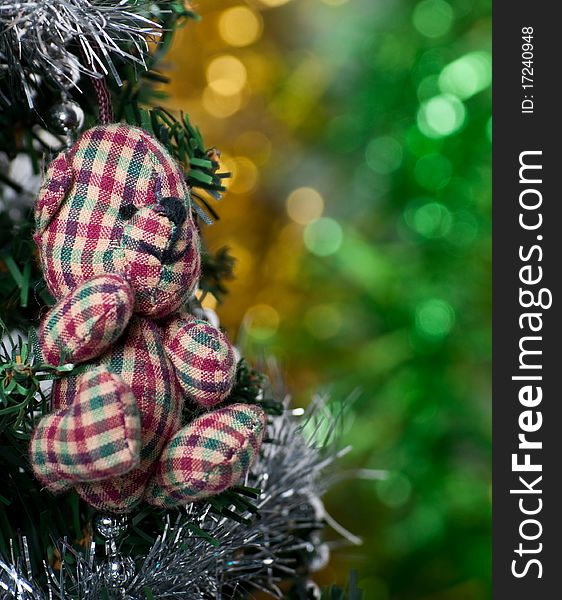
{"x":42,"y":41}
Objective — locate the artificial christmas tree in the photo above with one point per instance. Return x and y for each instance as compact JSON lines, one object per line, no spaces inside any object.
{"x":113,"y":267}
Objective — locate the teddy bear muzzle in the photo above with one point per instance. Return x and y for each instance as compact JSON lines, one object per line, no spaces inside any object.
{"x":162,"y":259}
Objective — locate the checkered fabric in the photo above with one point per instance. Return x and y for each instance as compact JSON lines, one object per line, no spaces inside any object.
{"x":204,"y":360}
{"x":57,"y":181}
{"x":96,"y":437}
{"x":208,"y":456}
{"x":90,"y":196}
{"x":87,"y":321}
{"x":121,"y":254}
{"x":141,"y":361}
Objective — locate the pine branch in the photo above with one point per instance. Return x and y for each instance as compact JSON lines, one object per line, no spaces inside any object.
{"x":22,"y":289}
{"x":185,"y":143}
{"x":215,"y":270}
{"x":23,"y":506}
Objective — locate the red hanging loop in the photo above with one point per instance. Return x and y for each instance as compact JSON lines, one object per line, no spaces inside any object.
{"x":104,"y":100}
{"x":102,"y":93}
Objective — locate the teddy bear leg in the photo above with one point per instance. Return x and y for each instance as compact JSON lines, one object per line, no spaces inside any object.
{"x":116,"y":495}
{"x":95,"y":437}
{"x":207,"y":456}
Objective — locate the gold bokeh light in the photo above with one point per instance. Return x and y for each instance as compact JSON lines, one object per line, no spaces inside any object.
{"x":273,"y":3}
{"x":246,"y":176}
{"x":240,"y":26}
{"x":226,"y":75}
{"x":261,"y":321}
{"x":304,"y":205}
{"x":220,"y":106}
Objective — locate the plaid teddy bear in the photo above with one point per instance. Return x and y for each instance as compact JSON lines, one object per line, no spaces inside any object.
{"x":121,"y":254}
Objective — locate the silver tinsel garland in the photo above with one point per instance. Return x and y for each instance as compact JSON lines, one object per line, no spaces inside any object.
{"x":208,"y":556}
{"x":54,"y":41}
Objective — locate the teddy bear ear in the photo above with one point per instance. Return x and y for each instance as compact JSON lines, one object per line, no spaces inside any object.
{"x":56,"y":183}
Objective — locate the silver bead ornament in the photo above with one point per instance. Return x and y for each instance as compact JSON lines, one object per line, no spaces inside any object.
{"x":118,"y":570}
{"x":111,"y":526}
{"x":66,"y":117}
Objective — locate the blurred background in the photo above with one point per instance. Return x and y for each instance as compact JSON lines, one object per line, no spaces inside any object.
{"x":358,"y":134}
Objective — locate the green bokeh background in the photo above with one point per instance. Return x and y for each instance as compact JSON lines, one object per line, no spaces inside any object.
{"x":383,"y":108}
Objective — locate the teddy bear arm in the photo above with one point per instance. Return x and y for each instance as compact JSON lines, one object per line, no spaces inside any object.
{"x":83,"y":324}
{"x":203,"y":357}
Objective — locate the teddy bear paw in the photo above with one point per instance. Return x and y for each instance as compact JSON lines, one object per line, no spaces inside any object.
{"x":98,"y":436}
{"x":207,"y":456}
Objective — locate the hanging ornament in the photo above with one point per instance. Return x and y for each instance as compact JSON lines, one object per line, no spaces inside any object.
{"x":117,"y":570}
{"x":111,"y":527}
{"x":66,"y":117}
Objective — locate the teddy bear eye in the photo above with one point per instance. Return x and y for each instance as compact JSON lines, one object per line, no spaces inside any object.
{"x":127,"y":211}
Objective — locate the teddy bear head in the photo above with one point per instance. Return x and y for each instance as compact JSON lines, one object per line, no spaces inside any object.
{"x":117,"y":202}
